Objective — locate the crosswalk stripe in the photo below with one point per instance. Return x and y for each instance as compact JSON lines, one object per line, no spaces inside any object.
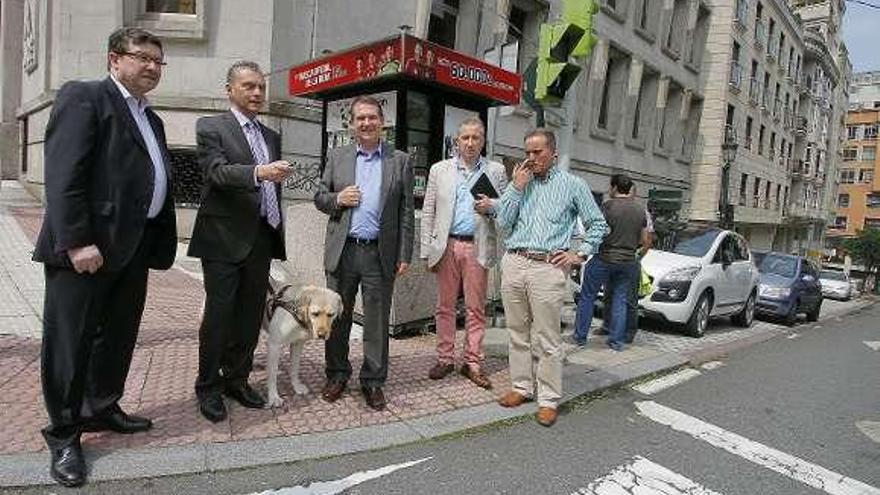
{"x":785,"y":464}
{"x":667,"y":381}
{"x":338,"y":486}
{"x":643,"y":477}
{"x":873,"y":344}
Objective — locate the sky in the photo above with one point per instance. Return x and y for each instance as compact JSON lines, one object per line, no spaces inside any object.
{"x":860,"y":32}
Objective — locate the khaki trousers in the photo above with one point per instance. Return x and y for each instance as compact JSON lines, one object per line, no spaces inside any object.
{"x":532,"y":292}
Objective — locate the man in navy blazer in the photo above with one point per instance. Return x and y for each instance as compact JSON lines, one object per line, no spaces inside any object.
{"x":238,"y":230}
{"x":109,"y":219}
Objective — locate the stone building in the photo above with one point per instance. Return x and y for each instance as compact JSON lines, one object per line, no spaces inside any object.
{"x":865,"y":90}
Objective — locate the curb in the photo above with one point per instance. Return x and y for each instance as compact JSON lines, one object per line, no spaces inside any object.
{"x":26,"y":470}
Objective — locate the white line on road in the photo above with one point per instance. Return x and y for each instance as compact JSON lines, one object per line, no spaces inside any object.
{"x":664,"y":382}
{"x":873,"y":344}
{"x":338,"y":486}
{"x":785,"y":464}
{"x":871,"y":429}
{"x":643,"y":477}
{"x":793,"y":335}
{"x":712,"y":365}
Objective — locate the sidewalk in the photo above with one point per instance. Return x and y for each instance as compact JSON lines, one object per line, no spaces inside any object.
{"x":163,"y":371}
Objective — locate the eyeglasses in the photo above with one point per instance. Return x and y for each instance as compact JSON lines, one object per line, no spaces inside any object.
{"x":145,"y":59}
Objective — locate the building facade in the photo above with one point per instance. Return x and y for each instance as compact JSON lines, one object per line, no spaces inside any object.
{"x":865,"y":91}
{"x":858,"y":197}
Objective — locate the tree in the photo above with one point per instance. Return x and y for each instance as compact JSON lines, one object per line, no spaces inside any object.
{"x":865,"y":249}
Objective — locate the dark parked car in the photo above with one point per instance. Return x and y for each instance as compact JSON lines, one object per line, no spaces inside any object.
{"x":789,"y":286}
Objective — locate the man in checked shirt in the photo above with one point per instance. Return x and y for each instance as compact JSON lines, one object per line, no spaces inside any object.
{"x":538,"y":213}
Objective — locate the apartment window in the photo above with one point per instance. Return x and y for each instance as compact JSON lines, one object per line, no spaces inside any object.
{"x":731,"y":116}
{"x":782,"y":152}
{"x":756,"y":192}
{"x":765,"y":93}
{"x":781,"y":48}
{"x":761,"y":139}
{"x":866,"y":175}
{"x":869,"y":153}
{"x":747,"y":143}
{"x":843,"y":200}
{"x":754,"y":84}
{"x":443,"y":21}
{"x":850,"y":154}
{"x":676,"y":28}
{"x":839,"y":223}
{"x":872,"y":200}
{"x":759,"y":24}
{"x":790,"y":62}
{"x":669,"y":130}
{"x":735,"y":67}
{"x":872,"y":223}
{"x":767,"y":187}
{"x":852,"y":132}
{"x":742,"y":12}
{"x":646,"y":102}
{"x":847,"y":176}
{"x":169,"y":18}
{"x":771,"y":33}
{"x":613,"y":89}
{"x":772,"y":152}
{"x":778,"y":198}
{"x":615,"y":8}
{"x":648,"y":17}
{"x":871,"y":131}
{"x":701,"y":31}
{"x":743,"y":188}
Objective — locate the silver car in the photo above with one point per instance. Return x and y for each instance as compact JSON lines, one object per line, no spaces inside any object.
{"x":835,"y":285}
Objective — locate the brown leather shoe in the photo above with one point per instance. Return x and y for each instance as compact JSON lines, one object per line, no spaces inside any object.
{"x":512,"y":399}
{"x":546,"y":416}
{"x":374,"y":397}
{"x":333,"y":390}
{"x":476,"y":376}
{"x":440,"y":370}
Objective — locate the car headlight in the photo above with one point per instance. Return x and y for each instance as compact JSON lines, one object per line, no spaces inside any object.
{"x":685,"y":274}
{"x":773,"y":291}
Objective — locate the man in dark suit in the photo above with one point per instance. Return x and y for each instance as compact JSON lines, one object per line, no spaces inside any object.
{"x":238,"y":230}
{"x":366,"y":189}
{"x":109,"y":219}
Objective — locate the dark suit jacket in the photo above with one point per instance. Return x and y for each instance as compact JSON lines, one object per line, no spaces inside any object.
{"x":229,"y":216}
{"x":396,"y":219}
{"x":99,"y":180}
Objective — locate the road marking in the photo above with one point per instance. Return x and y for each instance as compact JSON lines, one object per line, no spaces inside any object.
{"x":762,"y":455}
{"x":338,"y":486}
{"x":793,"y":335}
{"x":873,"y":344}
{"x":664,"y":382}
{"x":871,"y":429}
{"x":645,"y":478}
{"x":712,"y":365}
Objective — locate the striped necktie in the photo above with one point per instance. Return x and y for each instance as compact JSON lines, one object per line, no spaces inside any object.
{"x":268,"y":199}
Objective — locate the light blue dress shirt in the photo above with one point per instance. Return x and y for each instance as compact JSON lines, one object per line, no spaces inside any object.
{"x":463,"y":209}
{"x":542,"y":216}
{"x":138,"y":109}
{"x":368,"y":177}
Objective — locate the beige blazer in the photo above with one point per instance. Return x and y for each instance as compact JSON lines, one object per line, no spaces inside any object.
{"x":438,"y":207}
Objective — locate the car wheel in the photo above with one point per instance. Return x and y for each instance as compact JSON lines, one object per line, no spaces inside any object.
{"x":699,"y":320}
{"x":747,"y":315}
{"x":813,"y":315}
{"x":791,"y":317}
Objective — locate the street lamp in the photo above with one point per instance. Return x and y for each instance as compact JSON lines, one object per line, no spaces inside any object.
{"x":728,"y":154}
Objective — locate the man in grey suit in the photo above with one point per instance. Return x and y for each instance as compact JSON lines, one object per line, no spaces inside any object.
{"x":238,"y":231}
{"x":366,"y":189}
{"x":459,"y":244}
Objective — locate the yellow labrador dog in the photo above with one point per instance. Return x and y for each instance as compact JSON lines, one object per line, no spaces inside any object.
{"x":293,"y":316}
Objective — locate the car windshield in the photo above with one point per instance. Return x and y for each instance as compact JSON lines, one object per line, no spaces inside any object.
{"x":779,"y":265}
{"x":696,"y":243}
{"x":832,"y":275}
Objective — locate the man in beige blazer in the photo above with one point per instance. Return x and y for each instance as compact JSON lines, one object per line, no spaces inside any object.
{"x":459,"y":244}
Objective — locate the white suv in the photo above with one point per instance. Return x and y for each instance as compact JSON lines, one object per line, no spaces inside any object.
{"x":707,"y":273}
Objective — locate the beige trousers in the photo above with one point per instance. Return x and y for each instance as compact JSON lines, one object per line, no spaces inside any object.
{"x":532,"y":292}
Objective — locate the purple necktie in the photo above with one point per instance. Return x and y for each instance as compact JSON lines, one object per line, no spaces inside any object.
{"x":268,"y":200}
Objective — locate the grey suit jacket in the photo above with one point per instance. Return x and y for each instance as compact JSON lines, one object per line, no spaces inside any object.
{"x":396,"y":219}
{"x":438,"y":210}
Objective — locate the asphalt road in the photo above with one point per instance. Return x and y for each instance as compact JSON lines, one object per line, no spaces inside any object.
{"x":783,"y":417}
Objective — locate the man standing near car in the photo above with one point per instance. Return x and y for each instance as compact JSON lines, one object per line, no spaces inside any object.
{"x":109,"y":219}
{"x":459,"y":245}
{"x":538,"y":212}
{"x":616,"y":265}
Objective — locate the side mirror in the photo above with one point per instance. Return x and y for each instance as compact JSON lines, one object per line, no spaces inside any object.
{"x":726,"y":258}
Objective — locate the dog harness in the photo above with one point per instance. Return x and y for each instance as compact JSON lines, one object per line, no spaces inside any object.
{"x":278,"y":300}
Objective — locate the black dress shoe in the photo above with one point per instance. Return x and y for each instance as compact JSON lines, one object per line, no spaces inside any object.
{"x":120,"y":422}
{"x":213,"y":408}
{"x":246,"y":396}
{"x":68,"y":466}
{"x":374,"y":397}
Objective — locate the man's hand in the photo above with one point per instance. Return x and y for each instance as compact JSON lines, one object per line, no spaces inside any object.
{"x":483,"y":204}
{"x":402,"y":267}
{"x":349,"y":197}
{"x":277,"y":171}
{"x":522,"y":174}
{"x":564,"y":260}
{"x":86,"y":259}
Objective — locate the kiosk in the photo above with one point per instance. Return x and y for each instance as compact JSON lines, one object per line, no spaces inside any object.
{"x":425,"y":90}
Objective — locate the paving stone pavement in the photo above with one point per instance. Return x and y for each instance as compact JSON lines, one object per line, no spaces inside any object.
{"x":163,"y":369}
